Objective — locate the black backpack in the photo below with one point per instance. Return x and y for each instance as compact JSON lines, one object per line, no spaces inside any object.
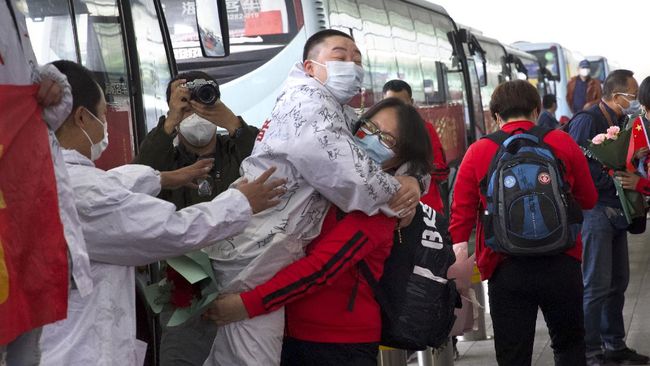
{"x":417,"y":300}
{"x":530,"y":210}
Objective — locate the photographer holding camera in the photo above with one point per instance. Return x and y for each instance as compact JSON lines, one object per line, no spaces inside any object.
{"x":195,"y":113}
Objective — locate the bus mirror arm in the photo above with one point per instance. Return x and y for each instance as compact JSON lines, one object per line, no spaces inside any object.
{"x":521,"y":67}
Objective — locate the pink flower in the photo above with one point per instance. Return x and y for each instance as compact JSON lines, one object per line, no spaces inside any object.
{"x":599,"y":139}
{"x":612,"y":132}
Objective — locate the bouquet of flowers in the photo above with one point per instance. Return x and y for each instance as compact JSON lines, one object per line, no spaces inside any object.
{"x":188,"y":287}
{"x":612,"y":149}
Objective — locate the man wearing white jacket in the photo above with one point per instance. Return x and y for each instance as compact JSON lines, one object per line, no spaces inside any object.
{"x":309,"y":139}
{"x":125,"y":226}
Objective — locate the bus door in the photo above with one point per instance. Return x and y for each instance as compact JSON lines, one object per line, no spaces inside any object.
{"x":125,"y":44}
{"x":474,"y":63}
{"x":90,"y":33}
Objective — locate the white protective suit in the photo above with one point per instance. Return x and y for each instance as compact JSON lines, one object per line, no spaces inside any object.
{"x":125,"y":226}
{"x":20,"y":68}
{"x":309,"y":140}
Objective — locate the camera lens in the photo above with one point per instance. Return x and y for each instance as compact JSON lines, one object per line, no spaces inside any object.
{"x":207,"y":94}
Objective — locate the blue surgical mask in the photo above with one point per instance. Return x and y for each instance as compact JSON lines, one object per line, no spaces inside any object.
{"x":633,"y":108}
{"x":374,"y":148}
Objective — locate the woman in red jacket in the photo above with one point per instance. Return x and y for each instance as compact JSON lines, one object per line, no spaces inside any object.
{"x":519,"y":286}
{"x":332,"y":316}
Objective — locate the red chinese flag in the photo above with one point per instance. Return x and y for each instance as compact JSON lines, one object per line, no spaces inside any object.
{"x":33,"y":259}
{"x":638,"y":140}
{"x":639,"y":134}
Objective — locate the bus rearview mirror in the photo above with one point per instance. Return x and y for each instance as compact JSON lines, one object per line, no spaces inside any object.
{"x":212,"y":23}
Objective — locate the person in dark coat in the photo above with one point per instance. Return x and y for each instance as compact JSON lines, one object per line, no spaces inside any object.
{"x":547,"y":117}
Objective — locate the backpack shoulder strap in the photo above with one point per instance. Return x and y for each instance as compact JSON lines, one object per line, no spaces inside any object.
{"x":540,"y":132}
{"x":367,"y":274}
{"x":380,"y":295}
{"x":497,"y":137}
{"x":595,"y":115}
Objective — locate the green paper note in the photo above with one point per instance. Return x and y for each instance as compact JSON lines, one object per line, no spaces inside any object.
{"x":203,"y":260}
{"x":188,"y":268}
{"x":157,"y":296}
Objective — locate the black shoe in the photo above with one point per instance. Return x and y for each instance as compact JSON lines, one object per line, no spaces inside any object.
{"x":626,"y":356}
{"x":597,"y":360}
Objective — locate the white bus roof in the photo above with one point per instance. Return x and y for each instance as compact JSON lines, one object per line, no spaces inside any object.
{"x":483,"y":38}
{"x":435,"y":7}
{"x":596,"y":58}
{"x":519,"y":53}
{"x":529,"y":46}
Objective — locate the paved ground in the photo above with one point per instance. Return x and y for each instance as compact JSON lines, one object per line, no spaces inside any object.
{"x":636,"y":313}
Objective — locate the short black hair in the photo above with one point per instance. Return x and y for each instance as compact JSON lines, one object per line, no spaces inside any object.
{"x":86,"y":91}
{"x":616,"y":82}
{"x":397,"y":85}
{"x":513,"y":99}
{"x":644,"y":93}
{"x":319,"y":37}
{"x":413,"y":145}
{"x":188,"y":76}
{"x":548,"y":101}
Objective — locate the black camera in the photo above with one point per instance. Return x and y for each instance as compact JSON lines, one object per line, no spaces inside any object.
{"x":204,"y":91}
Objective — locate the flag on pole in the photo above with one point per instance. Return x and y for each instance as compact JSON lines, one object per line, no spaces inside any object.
{"x":33,"y":258}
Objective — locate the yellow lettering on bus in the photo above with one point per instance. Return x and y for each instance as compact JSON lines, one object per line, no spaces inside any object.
{"x":4,"y":277}
{"x":4,"y":274}
{"x":2,"y":198}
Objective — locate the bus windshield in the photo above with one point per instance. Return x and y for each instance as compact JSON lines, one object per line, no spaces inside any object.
{"x":253,"y":25}
{"x":548,"y":58}
{"x":598,"y":69}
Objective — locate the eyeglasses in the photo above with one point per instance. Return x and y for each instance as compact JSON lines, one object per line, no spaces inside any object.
{"x":627,"y":95}
{"x":370,"y":128}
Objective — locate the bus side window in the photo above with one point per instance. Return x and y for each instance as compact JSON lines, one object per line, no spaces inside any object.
{"x":377,"y":38}
{"x":405,"y":45}
{"x":50,"y":30}
{"x":436,"y":93}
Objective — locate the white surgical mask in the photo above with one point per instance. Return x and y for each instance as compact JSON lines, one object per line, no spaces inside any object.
{"x":344,"y":79}
{"x":96,"y":149}
{"x":584,"y":72}
{"x":197,"y":130}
